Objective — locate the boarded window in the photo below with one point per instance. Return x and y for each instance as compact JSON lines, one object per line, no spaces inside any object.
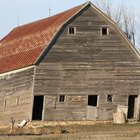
{"x":17,"y":101}
{"x":109,"y":98}
{"x":11,"y":102}
{"x":61,"y":98}
{"x":92,"y":100}
{"x":72,"y":30}
{"x":2,"y":103}
{"x":104,"y":31}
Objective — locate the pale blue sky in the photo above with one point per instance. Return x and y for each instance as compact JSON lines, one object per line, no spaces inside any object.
{"x":14,"y":12}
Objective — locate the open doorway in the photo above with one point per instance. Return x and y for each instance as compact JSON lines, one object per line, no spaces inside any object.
{"x":132,"y":106}
{"x":37,"y":108}
{"x":92,"y":109}
{"x":92,"y":100}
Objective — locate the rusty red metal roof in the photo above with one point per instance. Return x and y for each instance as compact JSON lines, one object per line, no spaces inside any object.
{"x":24,"y":44}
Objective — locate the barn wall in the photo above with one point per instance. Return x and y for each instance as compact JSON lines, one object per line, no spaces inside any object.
{"x":87,"y":63}
{"x":16,"y":95}
{"x":72,"y":109}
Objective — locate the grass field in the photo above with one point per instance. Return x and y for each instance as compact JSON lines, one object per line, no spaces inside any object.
{"x":108,"y":131}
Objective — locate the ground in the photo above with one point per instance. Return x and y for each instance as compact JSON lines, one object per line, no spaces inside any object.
{"x":73,"y":131}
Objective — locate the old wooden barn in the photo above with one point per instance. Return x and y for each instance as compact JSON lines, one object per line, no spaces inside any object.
{"x":76,"y":65}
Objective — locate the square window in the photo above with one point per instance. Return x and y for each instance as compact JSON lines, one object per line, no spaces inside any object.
{"x":61,"y":98}
{"x":109,"y":98}
{"x":105,"y":31}
{"x":72,"y":30}
{"x":92,"y":100}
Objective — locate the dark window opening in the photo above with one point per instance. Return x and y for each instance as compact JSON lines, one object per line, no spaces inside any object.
{"x":5,"y":103}
{"x":61,"y":98}
{"x":38,"y":108}
{"x":72,"y":30}
{"x":132,"y":103}
{"x":109,"y":98}
{"x":92,"y":100}
{"x":104,"y":31}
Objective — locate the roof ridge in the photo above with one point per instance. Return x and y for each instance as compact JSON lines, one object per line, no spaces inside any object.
{"x":38,"y":21}
{"x":75,"y":13}
{"x":18,"y":51}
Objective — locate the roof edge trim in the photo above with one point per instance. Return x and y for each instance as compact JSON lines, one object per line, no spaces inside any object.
{"x":17,"y":70}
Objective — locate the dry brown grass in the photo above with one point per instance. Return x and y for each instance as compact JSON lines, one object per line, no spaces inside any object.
{"x":73,"y":131}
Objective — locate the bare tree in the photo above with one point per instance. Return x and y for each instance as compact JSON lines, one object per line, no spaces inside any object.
{"x":128,"y":18}
{"x":117,"y":16}
{"x":105,"y":6}
{"x":138,"y":33}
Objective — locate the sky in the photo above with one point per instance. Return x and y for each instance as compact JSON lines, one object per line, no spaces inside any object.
{"x":18,"y":12}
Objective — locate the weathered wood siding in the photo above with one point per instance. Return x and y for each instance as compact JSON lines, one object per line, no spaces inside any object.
{"x":72,"y":109}
{"x":87,"y":63}
{"x":16,"y":96}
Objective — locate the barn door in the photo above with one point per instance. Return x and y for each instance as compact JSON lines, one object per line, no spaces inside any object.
{"x":49,"y":107}
{"x":133,"y":107}
{"x":91,"y":109}
{"x":50,"y":101}
{"x":38,"y":108}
